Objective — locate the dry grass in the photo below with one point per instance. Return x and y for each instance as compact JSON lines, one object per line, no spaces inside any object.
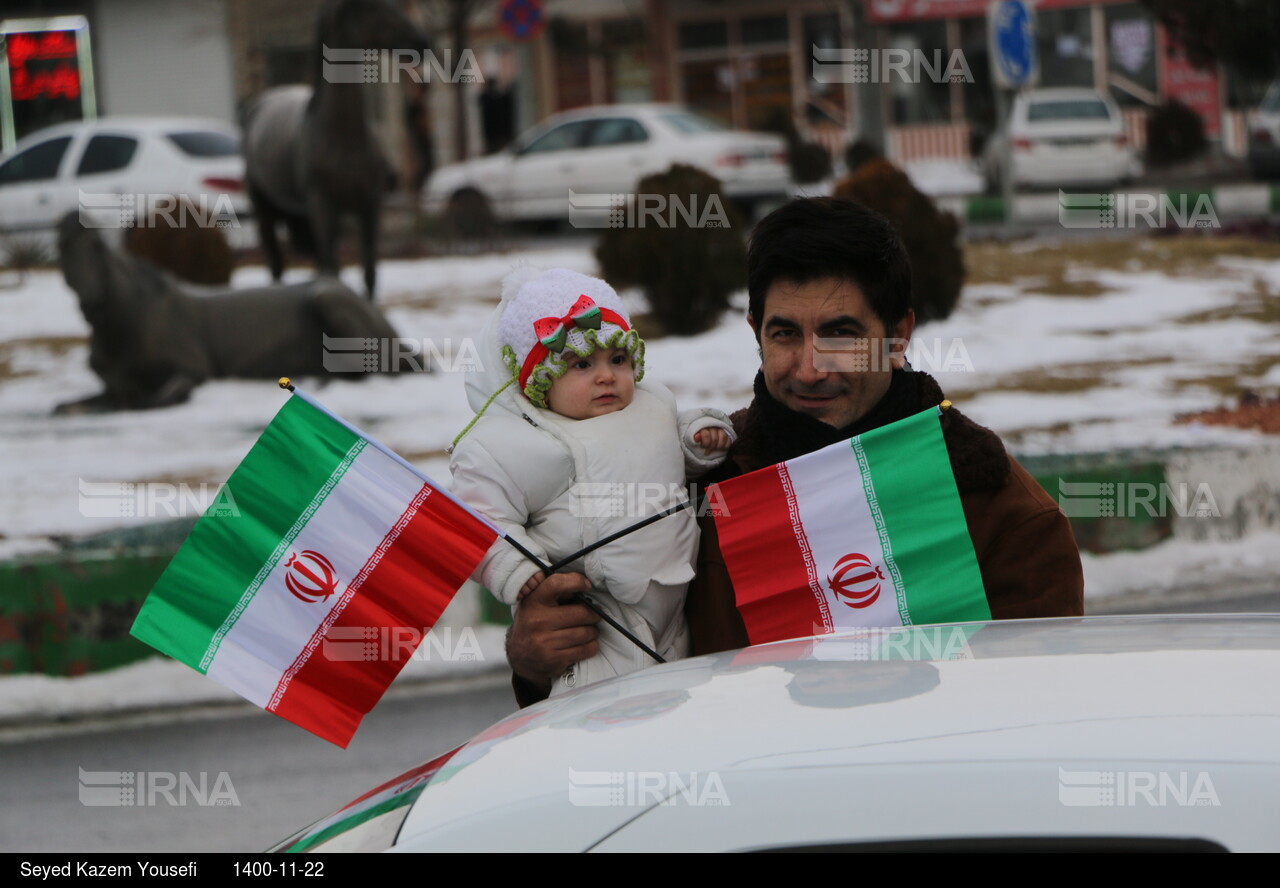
{"x":1260,"y":304}
{"x":995,"y":263}
{"x":54,"y":346}
{"x":1060,"y":380}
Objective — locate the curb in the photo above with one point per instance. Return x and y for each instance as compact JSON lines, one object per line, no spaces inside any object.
{"x":1231,"y":201}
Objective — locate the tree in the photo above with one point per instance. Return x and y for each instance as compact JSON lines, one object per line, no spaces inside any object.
{"x":1242,"y":34}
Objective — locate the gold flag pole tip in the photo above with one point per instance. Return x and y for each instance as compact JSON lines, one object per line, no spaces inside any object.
{"x":285,"y":383}
{"x":944,"y":405}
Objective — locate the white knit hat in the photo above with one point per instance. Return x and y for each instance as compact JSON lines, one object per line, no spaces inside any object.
{"x":549,"y":314}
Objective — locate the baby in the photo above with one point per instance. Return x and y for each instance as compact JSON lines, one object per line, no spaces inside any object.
{"x":568,"y":447}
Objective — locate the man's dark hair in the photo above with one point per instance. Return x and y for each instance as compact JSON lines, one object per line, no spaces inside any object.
{"x":819,"y":237}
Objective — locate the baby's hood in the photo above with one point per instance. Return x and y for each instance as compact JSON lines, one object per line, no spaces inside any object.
{"x":492,"y":372}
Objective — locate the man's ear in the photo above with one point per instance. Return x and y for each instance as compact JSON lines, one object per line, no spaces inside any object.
{"x":752,"y":322}
{"x":900,"y":336}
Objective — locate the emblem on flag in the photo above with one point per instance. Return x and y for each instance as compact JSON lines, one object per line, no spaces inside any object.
{"x":311,"y":577}
{"x":856,"y":581}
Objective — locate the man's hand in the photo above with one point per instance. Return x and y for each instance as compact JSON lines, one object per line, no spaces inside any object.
{"x":530,"y":584}
{"x":548,"y":637}
{"x":712,"y":440}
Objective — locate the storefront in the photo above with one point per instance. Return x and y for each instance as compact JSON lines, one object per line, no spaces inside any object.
{"x":1113,"y":46}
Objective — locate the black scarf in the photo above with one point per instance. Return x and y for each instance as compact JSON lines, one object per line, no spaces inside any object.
{"x":781,"y":433}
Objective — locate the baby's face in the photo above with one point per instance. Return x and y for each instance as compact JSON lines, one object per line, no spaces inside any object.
{"x":602,"y":382}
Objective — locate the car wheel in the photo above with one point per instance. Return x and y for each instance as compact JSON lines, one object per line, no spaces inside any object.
{"x":469,"y":215}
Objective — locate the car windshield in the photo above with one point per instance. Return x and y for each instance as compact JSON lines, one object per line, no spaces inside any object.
{"x":1072,"y":109}
{"x":205,"y":143}
{"x":688,"y":122}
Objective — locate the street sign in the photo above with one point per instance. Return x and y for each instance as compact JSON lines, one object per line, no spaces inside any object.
{"x":1011,"y":36}
{"x":521,"y":19}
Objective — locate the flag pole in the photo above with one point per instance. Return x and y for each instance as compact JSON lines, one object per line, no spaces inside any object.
{"x":285,"y":383}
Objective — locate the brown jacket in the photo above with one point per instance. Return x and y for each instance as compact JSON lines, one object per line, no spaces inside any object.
{"x":1026,"y":552}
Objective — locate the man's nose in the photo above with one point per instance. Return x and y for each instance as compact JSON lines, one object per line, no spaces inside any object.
{"x":808,"y":371}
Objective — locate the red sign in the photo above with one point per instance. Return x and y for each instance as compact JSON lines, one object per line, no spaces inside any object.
{"x":880,"y":12}
{"x":1193,"y":87}
{"x":43,"y":65}
{"x":521,"y":19}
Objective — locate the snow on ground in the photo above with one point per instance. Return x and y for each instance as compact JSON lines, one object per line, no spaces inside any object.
{"x":941,"y":177}
{"x":1130,"y":345}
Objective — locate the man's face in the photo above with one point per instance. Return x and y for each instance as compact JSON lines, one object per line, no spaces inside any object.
{"x":823,"y":350}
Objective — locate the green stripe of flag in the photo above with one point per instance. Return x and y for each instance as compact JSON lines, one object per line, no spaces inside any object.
{"x":271,"y":489}
{"x":919,"y":509}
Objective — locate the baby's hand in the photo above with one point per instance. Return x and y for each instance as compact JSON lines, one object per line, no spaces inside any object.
{"x":712,"y":440}
{"x":530,"y":584}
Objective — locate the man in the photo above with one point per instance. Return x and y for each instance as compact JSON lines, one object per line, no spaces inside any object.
{"x":823,"y":274}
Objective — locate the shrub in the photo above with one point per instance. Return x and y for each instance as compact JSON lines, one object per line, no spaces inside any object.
{"x":860,"y":152}
{"x":1174,"y":133}
{"x":931,"y":236}
{"x":195,"y":253}
{"x":687,"y":272}
{"x":809,"y":161}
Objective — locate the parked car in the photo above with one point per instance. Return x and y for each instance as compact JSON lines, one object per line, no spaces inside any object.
{"x":133,"y":163}
{"x":1059,"y":138}
{"x":1264,"y":136}
{"x":1115,"y":733}
{"x":606,"y":150}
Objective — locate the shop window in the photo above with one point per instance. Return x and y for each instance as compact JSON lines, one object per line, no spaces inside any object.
{"x":1131,"y":55}
{"x":919,"y":97}
{"x":704,"y":35}
{"x":1064,"y":43}
{"x":626,"y":62}
{"x":769,"y":29}
{"x":825,"y":103}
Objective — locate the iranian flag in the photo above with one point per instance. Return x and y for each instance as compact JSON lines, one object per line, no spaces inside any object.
{"x":322,"y":534}
{"x":867,"y":532}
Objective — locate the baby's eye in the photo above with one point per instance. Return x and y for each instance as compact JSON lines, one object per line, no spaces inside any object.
{"x":581,"y":364}
{"x":621,"y":359}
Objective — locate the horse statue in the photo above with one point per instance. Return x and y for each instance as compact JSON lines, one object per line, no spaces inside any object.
{"x":155,"y":339}
{"x":311,"y":154}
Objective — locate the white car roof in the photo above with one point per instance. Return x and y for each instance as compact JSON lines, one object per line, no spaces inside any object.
{"x":126,"y":123}
{"x":1007,"y":697}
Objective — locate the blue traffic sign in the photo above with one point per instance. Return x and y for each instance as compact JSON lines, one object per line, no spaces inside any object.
{"x":1012,"y":42}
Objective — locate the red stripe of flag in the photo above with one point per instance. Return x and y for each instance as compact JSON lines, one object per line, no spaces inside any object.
{"x":765,"y":559}
{"x":410,"y":587}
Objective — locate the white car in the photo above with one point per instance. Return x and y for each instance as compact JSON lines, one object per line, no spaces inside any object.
{"x":1264,"y":136}
{"x":1094,"y":733}
{"x":1062,"y":138}
{"x":578,"y":159}
{"x":114,"y":165}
